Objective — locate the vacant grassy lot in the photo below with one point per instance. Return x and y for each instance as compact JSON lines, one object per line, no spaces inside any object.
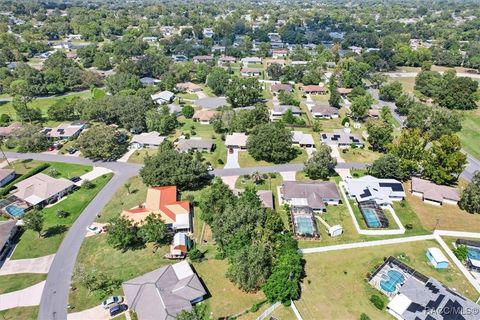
{"x":54,"y":228}
{"x":25,"y":313}
{"x":97,"y":254}
{"x":335,"y":285}
{"x":246,"y":160}
{"x":359,"y":155}
{"x":470,"y":134}
{"x":448,"y":217}
{"x":65,"y":170}
{"x":16,"y":282}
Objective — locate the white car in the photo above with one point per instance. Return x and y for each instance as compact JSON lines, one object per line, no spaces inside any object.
{"x":94,"y":229}
{"x":111,"y":302}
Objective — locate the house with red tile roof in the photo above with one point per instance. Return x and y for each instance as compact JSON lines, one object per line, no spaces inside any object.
{"x":162,"y":201}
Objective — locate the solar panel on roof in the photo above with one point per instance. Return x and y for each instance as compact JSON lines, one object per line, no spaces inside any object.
{"x":392,"y":185}
{"x":434,"y":304}
{"x":415,"y":307}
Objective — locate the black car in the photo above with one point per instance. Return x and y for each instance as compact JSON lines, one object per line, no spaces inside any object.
{"x":118,"y":309}
{"x":72,"y":150}
{"x":75,"y":179}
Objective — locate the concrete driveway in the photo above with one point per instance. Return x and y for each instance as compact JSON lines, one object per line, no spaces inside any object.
{"x":22,"y":298}
{"x":230,"y":181}
{"x":94,"y":174}
{"x":232,"y":160}
{"x":37,"y":265}
{"x":127,"y":155}
{"x":201,"y":94}
{"x":289,"y":175}
{"x":95,"y":313}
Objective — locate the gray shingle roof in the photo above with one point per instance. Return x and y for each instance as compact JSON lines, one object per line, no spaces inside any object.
{"x":315,"y":193}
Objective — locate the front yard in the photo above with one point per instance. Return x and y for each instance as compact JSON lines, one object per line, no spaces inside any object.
{"x":25,"y":313}
{"x":55,"y":228}
{"x":246,"y":160}
{"x":14,"y":282}
{"x":338,"y":278}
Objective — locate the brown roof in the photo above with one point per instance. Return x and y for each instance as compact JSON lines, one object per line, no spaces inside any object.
{"x":324,"y":109}
{"x":5,"y":173}
{"x":314,"y":193}
{"x":374,"y":112}
{"x":250,"y":70}
{"x":344,"y":90}
{"x":281,"y":87}
{"x":40,"y":187}
{"x":435,"y":192}
{"x":227,"y":59}
{"x":204,"y":115}
{"x":188,"y":86}
{"x":5,"y":131}
{"x":205,"y":58}
{"x":314,"y":88}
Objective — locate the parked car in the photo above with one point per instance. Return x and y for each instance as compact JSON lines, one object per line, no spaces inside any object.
{"x":112,"y":302}
{"x":75,"y":179}
{"x":94,"y":229}
{"x":72,"y":150}
{"x":230,"y":150}
{"x":51,"y":148}
{"x":118,"y":309}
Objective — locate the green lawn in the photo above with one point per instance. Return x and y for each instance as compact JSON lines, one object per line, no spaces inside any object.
{"x":42,"y":103}
{"x":359,"y":155}
{"x":470,"y":134}
{"x":139,"y":155}
{"x":55,"y":228}
{"x":24,"y":313}
{"x":14,"y":282}
{"x":335,"y":285}
{"x":246,"y":160}
{"x":97,"y":254}
{"x":66,"y":170}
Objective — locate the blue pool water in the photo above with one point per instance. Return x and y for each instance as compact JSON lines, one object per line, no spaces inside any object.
{"x":394,"y":278}
{"x":473,"y":253}
{"x":305,"y":225}
{"x":15,"y":211}
{"x":371,"y":218}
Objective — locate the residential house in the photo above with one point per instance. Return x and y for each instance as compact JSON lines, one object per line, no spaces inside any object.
{"x":41,"y":189}
{"x":188,"y":86}
{"x":236,"y":140}
{"x":344,"y":91}
{"x":65,"y":131}
{"x":251,"y":60}
{"x":312,"y":194}
{"x":179,"y":58}
{"x":163,"y":293}
{"x":163,"y":201}
{"x":226,"y":60}
{"x":433,"y":193}
{"x":8,"y":230}
{"x":6,"y":175}
{"x":382,"y":191}
{"x":250,"y":72}
{"x":150,"y":39}
{"x":201,"y":59}
{"x":278,"y":87}
{"x":204,"y":116}
{"x":280,"y":62}
{"x":167,"y":31}
{"x":314,"y":89}
{"x":146,"y":140}
{"x":342,"y":139}
{"x":302,"y":139}
{"x":6,"y":131}
{"x":211,"y":103}
{"x":163,"y":97}
{"x":279,"y":110}
{"x":208,"y":32}
{"x":323,"y":111}
{"x":355,"y":49}
{"x":218,"y":48}
{"x":195,"y":144}
{"x":174,"y":109}
{"x":299,"y":63}
{"x":147,"y":81}
{"x":374,"y":113}
{"x":279,"y":53}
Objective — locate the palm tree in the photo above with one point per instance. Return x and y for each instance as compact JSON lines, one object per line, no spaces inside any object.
{"x":256,"y":177}
{"x":127,"y":186}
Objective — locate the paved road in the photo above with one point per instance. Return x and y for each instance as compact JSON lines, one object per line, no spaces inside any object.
{"x":54,"y":301}
{"x":473,"y":163}
{"x":414,"y":74}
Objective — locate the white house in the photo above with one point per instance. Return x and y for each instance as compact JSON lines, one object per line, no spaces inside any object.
{"x":163,"y":97}
{"x":302,"y":139}
{"x":251,"y":72}
{"x":368,"y":188}
{"x":146,"y":140}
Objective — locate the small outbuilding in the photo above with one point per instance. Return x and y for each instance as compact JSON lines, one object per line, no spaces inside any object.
{"x":437,"y":258}
{"x":335,"y":231}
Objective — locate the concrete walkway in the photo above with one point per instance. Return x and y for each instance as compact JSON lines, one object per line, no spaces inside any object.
{"x":127,"y":155}
{"x":22,"y":298}
{"x":36,"y":265}
{"x":95,"y":313}
{"x":367,"y":244}
{"x":230,"y":181}
{"x":92,"y":175}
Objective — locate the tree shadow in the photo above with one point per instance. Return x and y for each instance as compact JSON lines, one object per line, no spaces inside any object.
{"x":55,"y":230}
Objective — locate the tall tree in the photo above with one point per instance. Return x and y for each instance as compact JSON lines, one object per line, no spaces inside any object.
{"x":271,"y":142}
{"x":154,"y":230}
{"x":33,"y":220}
{"x":388,"y":166}
{"x":243,"y":92}
{"x":470,"y":200}
{"x":321,"y":165}
{"x":380,"y":134}
{"x":102,"y":142}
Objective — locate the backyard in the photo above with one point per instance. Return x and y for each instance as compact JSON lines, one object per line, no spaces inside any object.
{"x":470,"y":133}
{"x":333,"y":277}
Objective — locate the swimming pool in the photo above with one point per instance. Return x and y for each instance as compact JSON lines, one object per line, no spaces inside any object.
{"x":371,"y":218}
{"x":393,"y":278}
{"x":15,"y":211}
{"x":305,"y":226}
{"x":473,"y":253}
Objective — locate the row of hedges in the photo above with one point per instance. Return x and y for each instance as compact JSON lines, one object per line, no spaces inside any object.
{"x":5,"y":190}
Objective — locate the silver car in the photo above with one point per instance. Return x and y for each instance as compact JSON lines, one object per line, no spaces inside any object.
{"x":112,"y":301}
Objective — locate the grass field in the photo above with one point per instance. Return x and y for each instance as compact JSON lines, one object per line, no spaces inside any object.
{"x":14,"y":282}
{"x":335,"y":285}
{"x":55,"y":228}
{"x":25,"y":313}
{"x":359,"y":155}
{"x":470,"y":134}
{"x":139,"y":155}
{"x":66,"y":170}
{"x":246,"y":160}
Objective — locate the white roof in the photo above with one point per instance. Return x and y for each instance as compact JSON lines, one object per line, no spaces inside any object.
{"x":153,"y":138}
{"x":180,"y":238}
{"x":301,"y":202}
{"x":163,"y":95}
{"x":399,"y":304}
{"x":335,"y":228}
{"x":182,"y":221}
{"x":236,"y":139}
{"x":437,"y":255}
{"x":371,"y":188}
{"x":302,"y":138}
{"x":182,"y":270}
